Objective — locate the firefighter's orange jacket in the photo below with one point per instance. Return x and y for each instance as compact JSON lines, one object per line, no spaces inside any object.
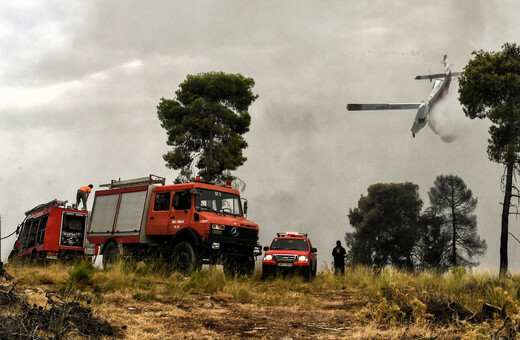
{"x":86,"y":189}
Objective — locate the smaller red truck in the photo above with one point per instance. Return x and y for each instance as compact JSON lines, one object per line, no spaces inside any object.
{"x":290,"y":252}
{"x":51,"y":231}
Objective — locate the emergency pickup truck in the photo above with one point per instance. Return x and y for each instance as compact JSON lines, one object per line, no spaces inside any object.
{"x":290,"y":252}
{"x":184,"y":224}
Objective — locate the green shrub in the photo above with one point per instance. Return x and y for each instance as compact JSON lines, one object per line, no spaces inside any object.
{"x":458,"y":271}
{"x":81,"y":273}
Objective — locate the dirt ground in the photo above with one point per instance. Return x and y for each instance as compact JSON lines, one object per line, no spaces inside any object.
{"x":334,"y":316}
{"x":38,"y":313}
{"x":193,"y":317}
{"x":205,"y":316}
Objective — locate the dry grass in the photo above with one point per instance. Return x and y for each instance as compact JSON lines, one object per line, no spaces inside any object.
{"x":390,"y":304}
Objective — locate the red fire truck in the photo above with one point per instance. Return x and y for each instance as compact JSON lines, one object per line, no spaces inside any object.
{"x":290,"y":252}
{"x":51,"y":231}
{"x":184,"y":224}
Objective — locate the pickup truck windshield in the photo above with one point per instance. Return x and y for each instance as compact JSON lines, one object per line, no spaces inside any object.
{"x":220,"y":202}
{"x":289,"y":244}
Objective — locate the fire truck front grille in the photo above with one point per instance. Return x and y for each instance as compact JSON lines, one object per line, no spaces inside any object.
{"x":285,"y":258}
{"x":241,"y":233}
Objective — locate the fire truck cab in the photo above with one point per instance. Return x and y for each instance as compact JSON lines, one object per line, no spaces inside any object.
{"x":185,"y":224}
{"x":51,"y":231}
{"x":290,"y":252}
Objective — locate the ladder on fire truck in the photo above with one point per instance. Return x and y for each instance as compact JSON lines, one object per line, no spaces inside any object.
{"x":127,"y":183}
{"x":53,"y":203}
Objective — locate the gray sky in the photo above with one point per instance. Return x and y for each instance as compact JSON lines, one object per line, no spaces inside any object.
{"x":80,"y":81}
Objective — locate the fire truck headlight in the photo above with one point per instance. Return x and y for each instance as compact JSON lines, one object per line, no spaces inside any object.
{"x":257,"y":250}
{"x":268,"y":257}
{"x":215,"y":246}
{"x":218,"y":227}
{"x":303,"y":258}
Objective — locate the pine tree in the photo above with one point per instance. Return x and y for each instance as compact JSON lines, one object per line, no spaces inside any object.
{"x":453,"y":202}
{"x":205,"y":124}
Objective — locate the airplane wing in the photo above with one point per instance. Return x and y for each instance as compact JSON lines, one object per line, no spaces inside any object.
{"x":389,"y":106}
{"x":437,"y":76}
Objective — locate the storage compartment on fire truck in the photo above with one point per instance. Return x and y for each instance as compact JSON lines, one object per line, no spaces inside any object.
{"x":73,"y":229}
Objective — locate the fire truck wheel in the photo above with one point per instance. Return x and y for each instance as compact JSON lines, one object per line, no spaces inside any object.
{"x":34,"y":256}
{"x":110,"y":254}
{"x":239,"y":266}
{"x":12,"y":256}
{"x":184,"y":259}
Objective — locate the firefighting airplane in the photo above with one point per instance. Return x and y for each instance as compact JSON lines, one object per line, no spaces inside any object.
{"x":440,"y":89}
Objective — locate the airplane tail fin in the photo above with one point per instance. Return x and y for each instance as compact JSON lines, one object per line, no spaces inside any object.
{"x":431,"y":76}
{"x":447,"y":69}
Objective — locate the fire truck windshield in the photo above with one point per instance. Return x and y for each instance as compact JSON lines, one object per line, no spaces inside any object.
{"x":220,"y":202}
{"x":289,"y":244}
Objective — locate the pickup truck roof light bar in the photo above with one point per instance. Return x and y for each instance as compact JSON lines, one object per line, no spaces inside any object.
{"x":291,"y":233}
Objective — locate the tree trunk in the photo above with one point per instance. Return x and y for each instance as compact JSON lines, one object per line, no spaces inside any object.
{"x":505,"y":218}
{"x":209,"y":158}
{"x":453,"y":226}
{"x":454,"y":236}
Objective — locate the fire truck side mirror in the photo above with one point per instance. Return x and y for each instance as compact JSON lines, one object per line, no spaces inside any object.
{"x":245,"y":207}
{"x":197,"y":197}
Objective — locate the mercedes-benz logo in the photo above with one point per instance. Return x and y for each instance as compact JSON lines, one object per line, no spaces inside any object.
{"x":234,"y":231}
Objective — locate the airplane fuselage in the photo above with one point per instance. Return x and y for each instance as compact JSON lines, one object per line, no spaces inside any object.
{"x":440,"y":89}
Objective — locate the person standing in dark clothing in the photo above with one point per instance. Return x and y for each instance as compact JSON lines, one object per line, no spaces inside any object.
{"x":338,"y":253}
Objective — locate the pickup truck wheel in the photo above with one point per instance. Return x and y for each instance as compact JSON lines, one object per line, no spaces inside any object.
{"x":184,"y":259}
{"x":110,"y":254}
{"x":268,"y":272}
{"x":307,"y":273}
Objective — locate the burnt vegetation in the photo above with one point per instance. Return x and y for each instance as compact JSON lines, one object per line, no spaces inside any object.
{"x":56,"y":319}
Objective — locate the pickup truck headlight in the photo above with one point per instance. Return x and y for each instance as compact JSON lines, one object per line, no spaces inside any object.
{"x":268,"y":257}
{"x":303,"y":258}
{"x":218,"y":227}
